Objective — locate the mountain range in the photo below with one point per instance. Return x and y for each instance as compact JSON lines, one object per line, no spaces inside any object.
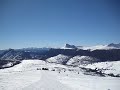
{"x":41,"y":53}
{"x":109,"y":46}
{"x":69,"y":54}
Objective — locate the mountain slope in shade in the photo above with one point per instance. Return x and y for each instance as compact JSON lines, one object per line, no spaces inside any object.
{"x":60,"y":59}
{"x":81,"y":60}
{"x":20,"y":54}
{"x":11,"y":54}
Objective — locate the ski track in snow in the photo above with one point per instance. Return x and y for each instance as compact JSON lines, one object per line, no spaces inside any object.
{"x":47,"y":82}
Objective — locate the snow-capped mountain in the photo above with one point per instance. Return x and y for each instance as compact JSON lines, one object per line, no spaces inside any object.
{"x":60,"y":59}
{"x":81,"y":60}
{"x":114,"y":45}
{"x":102,"y":52}
{"x":68,"y":46}
{"x":96,"y":47}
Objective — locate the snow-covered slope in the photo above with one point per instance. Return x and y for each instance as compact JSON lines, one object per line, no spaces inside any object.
{"x":28,"y":76}
{"x":81,"y":60}
{"x":61,"y":59}
{"x":106,"y":67}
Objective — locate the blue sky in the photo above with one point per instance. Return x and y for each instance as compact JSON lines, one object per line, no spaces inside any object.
{"x":41,"y":23}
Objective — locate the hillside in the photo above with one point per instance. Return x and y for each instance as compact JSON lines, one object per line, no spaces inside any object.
{"x":32,"y":75}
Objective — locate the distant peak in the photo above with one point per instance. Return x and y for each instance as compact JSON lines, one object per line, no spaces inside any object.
{"x":70,"y":46}
{"x":114,"y":45}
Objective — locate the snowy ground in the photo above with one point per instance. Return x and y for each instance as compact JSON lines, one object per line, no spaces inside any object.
{"x":28,"y":76}
{"x":106,"y":67}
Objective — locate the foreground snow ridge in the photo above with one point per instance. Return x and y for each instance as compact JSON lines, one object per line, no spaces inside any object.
{"x":30,"y":75}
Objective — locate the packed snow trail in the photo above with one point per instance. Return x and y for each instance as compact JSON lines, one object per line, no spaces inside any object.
{"x":48,"y":81}
{"x":25,"y":76}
